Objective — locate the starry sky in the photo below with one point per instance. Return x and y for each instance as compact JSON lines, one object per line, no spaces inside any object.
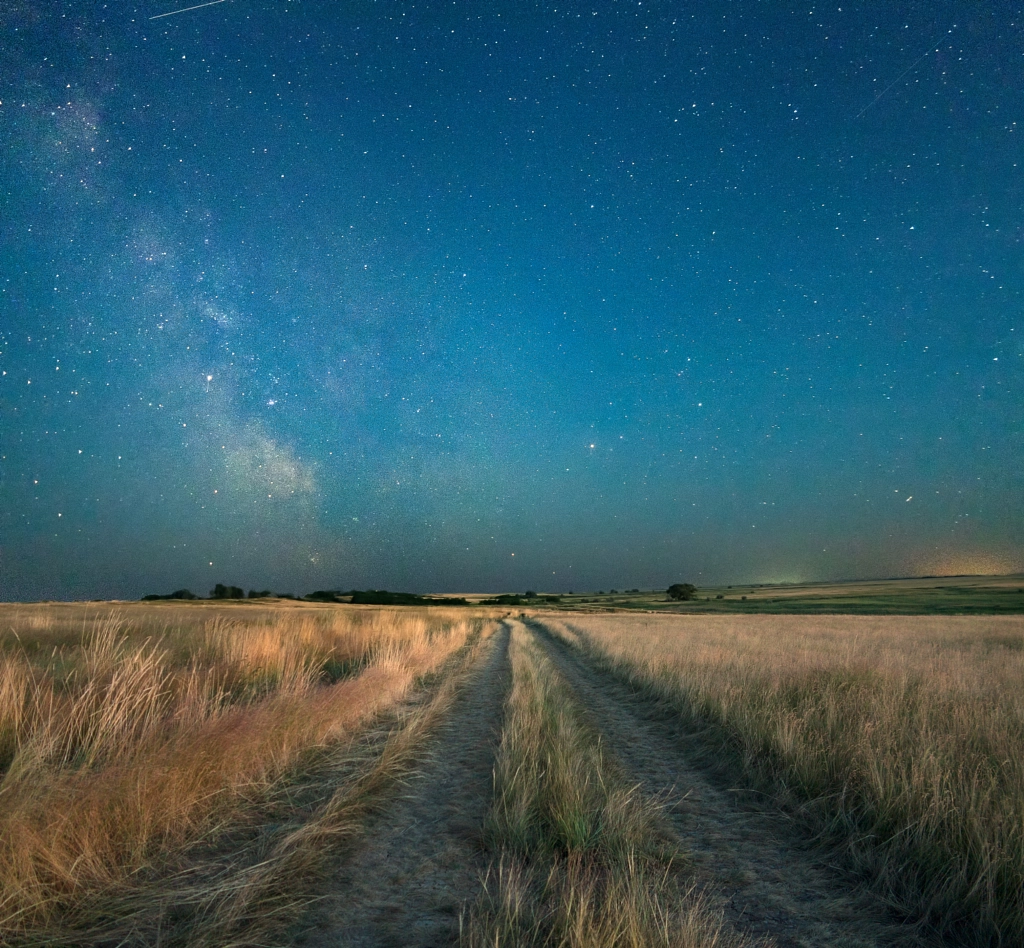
{"x":481,"y":296}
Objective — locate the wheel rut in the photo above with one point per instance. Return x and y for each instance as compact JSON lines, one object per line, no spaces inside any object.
{"x":765,"y":872}
{"x":421,"y":859}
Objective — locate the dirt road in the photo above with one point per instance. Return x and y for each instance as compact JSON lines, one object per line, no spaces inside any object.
{"x":772,"y":881}
{"x":420,"y":858}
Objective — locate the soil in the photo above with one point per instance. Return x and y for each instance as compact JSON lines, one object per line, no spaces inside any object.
{"x":420,"y":858}
{"x":761,"y":867}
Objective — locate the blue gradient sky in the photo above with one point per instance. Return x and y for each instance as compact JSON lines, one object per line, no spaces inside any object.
{"x":484,"y":296}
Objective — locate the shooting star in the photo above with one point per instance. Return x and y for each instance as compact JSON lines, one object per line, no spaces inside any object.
{"x":931,"y":49}
{"x":211,"y":3}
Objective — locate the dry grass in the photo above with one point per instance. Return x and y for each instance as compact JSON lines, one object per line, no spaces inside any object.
{"x":901,"y":738}
{"x":582,"y":859}
{"x":128,"y":742}
{"x":273,"y":890}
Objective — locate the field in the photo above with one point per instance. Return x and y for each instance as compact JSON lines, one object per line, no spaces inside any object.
{"x":946,"y":595}
{"x":291,"y":773}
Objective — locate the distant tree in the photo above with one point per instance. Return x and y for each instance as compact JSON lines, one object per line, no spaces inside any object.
{"x":323,"y":595}
{"x":381,"y":597}
{"x":681,"y":592}
{"x":613,"y":592}
{"x":220,"y":591}
{"x":506,"y":599}
{"x":529,"y":594}
{"x":177,"y":594}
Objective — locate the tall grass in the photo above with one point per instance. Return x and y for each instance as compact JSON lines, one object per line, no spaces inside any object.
{"x":901,"y":739}
{"x":582,"y":860}
{"x":124,"y":747}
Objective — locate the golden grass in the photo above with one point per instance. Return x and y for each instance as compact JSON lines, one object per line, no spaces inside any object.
{"x":256,"y":901}
{"x":127,"y":743}
{"x":902,"y":739}
{"x":582,"y":860}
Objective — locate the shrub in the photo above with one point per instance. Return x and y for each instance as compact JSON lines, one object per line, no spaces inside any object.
{"x":682,"y":591}
{"x":177,"y":594}
{"x":381,"y":597}
{"x":220,"y":591}
{"x":323,"y":595}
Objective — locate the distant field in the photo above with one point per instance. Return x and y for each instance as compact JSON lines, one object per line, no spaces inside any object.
{"x":949,"y":595}
{"x":295,"y":773}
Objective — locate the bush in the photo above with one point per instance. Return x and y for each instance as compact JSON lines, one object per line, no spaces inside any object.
{"x":177,"y":594}
{"x":220,"y":591}
{"x":381,"y":597}
{"x":324,"y":595}
{"x":682,"y":592}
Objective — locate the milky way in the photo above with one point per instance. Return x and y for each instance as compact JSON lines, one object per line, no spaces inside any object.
{"x":298,"y":294}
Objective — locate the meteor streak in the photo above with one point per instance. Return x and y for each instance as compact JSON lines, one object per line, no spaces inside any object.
{"x":211,"y":3}
{"x":931,"y":49}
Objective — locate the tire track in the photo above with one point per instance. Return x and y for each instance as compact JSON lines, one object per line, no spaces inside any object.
{"x":421,"y":858}
{"x":772,"y":882}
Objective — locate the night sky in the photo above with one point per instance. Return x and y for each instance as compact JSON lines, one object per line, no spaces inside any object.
{"x":459,"y":296}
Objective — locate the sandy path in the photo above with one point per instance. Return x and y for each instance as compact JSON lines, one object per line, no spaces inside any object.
{"x":772,"y":882}
{"x":421,"y":860}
